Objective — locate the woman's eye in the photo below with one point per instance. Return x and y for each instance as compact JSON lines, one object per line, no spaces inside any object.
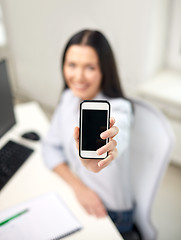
{"x":90,"y":67}
{"x":72,"y":65}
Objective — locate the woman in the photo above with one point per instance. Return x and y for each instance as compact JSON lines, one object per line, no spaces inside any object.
{"x":101,"y":186}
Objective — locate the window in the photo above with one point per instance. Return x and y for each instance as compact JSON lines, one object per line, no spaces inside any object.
{"x":174,"y":36}
{"x":2,"y":30}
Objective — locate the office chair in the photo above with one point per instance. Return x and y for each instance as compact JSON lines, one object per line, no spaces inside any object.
{"x":152,"y":142}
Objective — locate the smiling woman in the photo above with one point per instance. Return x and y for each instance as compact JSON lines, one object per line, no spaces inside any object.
{"x":102,"y":186}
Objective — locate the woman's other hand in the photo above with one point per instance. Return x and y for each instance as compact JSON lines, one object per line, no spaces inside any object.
{"x":90,"y":201}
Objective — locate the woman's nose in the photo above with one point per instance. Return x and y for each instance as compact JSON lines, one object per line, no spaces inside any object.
{"x":79,"y":75}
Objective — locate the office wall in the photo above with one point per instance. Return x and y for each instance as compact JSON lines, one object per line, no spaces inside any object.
{"x":37,"y":31}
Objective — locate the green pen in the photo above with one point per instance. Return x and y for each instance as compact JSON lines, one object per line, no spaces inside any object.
{"x":13,"y":217}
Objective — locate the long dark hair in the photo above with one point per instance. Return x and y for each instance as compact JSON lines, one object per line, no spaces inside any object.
{"x":110,"y":86}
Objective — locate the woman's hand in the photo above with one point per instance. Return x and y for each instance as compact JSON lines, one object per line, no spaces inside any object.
{"x":90,"y":201}
{"x":95,"y":165}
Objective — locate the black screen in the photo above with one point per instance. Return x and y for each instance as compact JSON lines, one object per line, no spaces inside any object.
{"x":93,"y":124}
{"x":7,"y":119}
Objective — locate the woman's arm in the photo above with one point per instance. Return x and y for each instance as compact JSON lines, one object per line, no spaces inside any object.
{"x":87,"y":198}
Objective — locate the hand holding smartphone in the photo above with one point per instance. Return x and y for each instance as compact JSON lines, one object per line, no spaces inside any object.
{"x":94,"y":119}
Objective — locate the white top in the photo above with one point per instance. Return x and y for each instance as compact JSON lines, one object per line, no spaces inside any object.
{"x":112,"y":184}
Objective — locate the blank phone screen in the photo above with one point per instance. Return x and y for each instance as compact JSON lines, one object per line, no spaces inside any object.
{"x":93,"y":124}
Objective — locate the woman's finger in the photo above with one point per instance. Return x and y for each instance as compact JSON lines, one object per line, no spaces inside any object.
{"x":100,"y":212}
{"x":89,"y":210}
{"x":112,"y":155}
{"x":110,"y":133}
{"x":108,"y":147}
{"x":76,"y":136}
{"x":112,"y":121}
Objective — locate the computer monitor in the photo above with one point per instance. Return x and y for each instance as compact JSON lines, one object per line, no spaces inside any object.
{"x":7,"y":117}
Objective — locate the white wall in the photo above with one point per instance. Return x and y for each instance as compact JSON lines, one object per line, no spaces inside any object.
{"x":37,"y":31}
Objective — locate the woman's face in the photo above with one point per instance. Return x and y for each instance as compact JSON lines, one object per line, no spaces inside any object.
{"x":82,"y":71}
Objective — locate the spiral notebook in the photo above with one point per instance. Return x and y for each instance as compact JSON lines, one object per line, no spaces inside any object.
{"x":44,"y":218}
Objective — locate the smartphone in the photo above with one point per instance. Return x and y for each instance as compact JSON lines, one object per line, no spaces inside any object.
{"x":94,"y":119}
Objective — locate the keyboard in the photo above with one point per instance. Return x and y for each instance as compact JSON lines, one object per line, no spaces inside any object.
{"x":12,"y":156}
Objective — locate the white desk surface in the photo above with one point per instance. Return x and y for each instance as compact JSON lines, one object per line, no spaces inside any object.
{"x":34,"y":179}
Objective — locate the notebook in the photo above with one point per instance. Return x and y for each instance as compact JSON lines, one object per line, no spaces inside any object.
{"x":44,"y":218}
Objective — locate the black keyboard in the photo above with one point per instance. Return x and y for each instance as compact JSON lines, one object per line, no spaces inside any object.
{"x":12,"y":156}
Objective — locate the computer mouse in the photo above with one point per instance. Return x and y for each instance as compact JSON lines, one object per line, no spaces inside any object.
{"x":31,"y":136}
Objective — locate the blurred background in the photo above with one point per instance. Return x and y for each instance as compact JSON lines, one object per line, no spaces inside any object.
{"x":146,"y":38}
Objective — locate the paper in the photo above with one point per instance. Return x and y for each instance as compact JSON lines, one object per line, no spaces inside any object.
{"x":47,"y":218}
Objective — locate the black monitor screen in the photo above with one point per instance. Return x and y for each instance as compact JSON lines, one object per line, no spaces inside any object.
{"x":7,"y":118}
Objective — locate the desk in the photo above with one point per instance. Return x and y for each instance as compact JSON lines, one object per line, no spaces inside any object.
{"x":34,"y":179}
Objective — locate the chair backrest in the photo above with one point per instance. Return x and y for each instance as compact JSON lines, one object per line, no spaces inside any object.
{"x":152,"y":142}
